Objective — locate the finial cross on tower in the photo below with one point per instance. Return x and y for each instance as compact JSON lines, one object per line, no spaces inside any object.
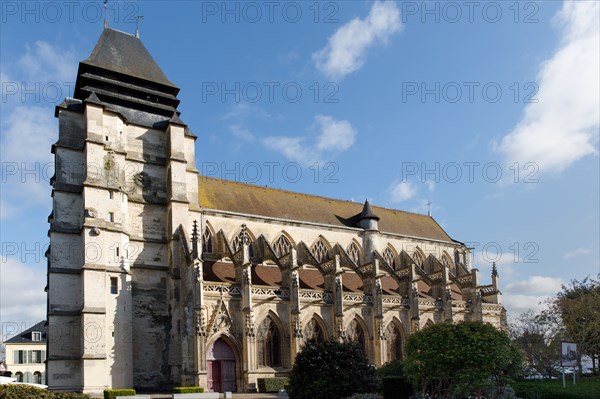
{"x":428,"y":208}
{"x":138,"y":18}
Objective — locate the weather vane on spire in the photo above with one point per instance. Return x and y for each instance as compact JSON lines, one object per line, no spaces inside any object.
{"x":137,"y":25}
{"x":428,"y":208}
{"x":105,"y":18}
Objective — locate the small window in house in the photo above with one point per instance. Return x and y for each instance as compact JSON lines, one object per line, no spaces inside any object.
{"x":111,"y":217}
{"x":110,"y":195}
{"x":114,"y":285}
{"x":36,"y":336}
{"x":36,"y":357}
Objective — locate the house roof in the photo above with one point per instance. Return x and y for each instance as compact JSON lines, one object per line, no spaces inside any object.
{"x":25,"y":336}
{"x":230,"y":196}
{"x":124,"y":53}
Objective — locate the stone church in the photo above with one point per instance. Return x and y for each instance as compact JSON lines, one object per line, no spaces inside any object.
{"x":160,"y":277}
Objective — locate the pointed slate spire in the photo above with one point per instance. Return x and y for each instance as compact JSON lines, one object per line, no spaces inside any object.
{"x":176,"y":120}
{"x":93,"y":99}
{"x":367,"y":219}
{"x":367,"y":212}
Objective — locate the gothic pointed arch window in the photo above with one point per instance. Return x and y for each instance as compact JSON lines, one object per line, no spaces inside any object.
{"x":313,"y":332}
{"x":207,"y":241}
{"x":447,"y":261}
{"x":389,"y":257}
{"x":269,"y":343}
{"x":238,"y":240}
{"x":320,"y":250}
{"x":355,"y":333}
{"x":418,"y":258}
{"x":282,"y":246}
{"x":394,"y":342}
{"x":354,"y":253}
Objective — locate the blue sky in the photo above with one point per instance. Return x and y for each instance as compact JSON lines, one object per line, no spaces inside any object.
{"x":490,"y":110}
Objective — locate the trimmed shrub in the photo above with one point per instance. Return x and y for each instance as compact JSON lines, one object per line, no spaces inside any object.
{"x":331,"y":370}
{"x":113,"y":393}
{"x":188,"y":390}
{"x":274,"y":384}
{"x":20,"y":391}
{"x":70,"y":395}
{"x":552,"y":389}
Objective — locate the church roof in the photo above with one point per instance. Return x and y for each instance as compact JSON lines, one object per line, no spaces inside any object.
{"x":230,"y":196}
{"x":124,"y":53}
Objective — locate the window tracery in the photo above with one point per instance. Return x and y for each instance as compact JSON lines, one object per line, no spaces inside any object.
{"x":269,"y":344}
{"x":355,"y":333}
{"x":313,"y":332}
{"x":388,"y":255}
{"x":394,"y":342}
{"x":320,"y":251}
{"x":354,"y":253}
{"x":282,"y":246}
{"x":207,"y":244}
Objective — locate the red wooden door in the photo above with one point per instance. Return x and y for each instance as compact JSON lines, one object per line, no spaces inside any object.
{"x":214,"y":376}
{"x":228,"y":376}
{"x":221,"y":368}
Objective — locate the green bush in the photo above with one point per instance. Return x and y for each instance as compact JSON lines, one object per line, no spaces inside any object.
{"x":113,"y":393}
{"x":188,"y":390}
{"x":331,"y":370}
{"x":274,"y":384}
{"x":70,"y":395}
{"x":391,"y":369}
{"x":455,"y":360}
{"x":19,"y":391}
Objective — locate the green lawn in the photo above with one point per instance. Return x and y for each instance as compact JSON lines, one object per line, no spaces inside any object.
{"x":586,"y":388}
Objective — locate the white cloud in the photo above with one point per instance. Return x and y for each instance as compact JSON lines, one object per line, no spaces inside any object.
{"x":331,"y":135}
{"x":524,"y":294}
{"x":402,"y":191}
{"x":22,"y":292}
{"x":577,"y":252}
{"x":293,"y":148}
{"x":242,"y":111}
{"x":562,"y":127}
{"x":45,"y":63}
{"x":40,"y":77}
{"x":516,"y":304}
{"x":536,"y":285}
{"x":335,"y":134}
{"x":346,"y":48}
{"x":240,"y":132}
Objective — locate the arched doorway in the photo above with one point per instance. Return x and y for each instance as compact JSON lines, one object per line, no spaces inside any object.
{"x":221,"y":367}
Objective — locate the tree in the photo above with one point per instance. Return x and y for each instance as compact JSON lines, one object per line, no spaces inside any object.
{"x":455,"y":360}
{"x":538,"y":337}
{"x":578,"y":304}
{"x":331,"y":370}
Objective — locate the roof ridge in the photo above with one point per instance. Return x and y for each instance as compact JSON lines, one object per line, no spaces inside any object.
{"x":121,"y":31}
{"x":309,"y":195}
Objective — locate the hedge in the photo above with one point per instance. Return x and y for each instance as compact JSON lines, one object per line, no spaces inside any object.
{"x":584,"y":389}
{"x":113,"y":393}
{"x":19,"y":391}
{"x":274,"y":384}
{"x":188,"y":390}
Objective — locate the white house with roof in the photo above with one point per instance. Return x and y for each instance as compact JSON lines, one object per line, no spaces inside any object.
{"x":26,"y":354}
